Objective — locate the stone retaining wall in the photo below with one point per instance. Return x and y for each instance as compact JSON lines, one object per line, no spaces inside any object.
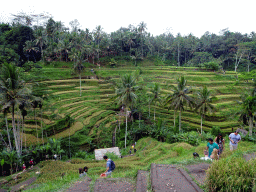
{"x":99,"y":153}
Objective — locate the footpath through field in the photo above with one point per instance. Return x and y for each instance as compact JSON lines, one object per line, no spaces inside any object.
{"x":164,"y":178}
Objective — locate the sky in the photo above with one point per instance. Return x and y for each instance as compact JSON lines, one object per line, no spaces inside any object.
{"x":175,"y":16}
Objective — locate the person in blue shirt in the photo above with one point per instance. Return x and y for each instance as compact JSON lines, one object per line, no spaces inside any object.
{"x":108,"y":166}
{"x":234,"y":138}
{"x":211,"y":146}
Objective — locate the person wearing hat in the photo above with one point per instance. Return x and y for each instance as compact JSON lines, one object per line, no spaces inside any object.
{"x":234,"y":138}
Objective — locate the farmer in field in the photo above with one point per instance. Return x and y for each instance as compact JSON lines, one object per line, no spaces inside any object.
{"x":210,"y":146}
{"x":110,"y":167}
{"x":234,"y":138}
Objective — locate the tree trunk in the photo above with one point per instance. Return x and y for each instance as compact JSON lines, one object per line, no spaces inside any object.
{"x":119,"y":119}
{"x":42,"y":54}
{"x":8,"y":134}
{"x":98,"y":52}
{"x":155,"y":112}
{"x":139,"y":119}
{"x":80,"y":85}
{"x":250,"y":125}
{"x":174,"y":118}
{"x":15,"y":133}
{"x":125,"y":128}
{"x":36,"y":125}
{"x":149,"y":109}
{"x":42,"y":127}
{"x":180,"y":121}
{"x":115,"y":135}
{"x":178,"y":54}
{"x":21,"y":140}
{"x":69,"y":144}
{"x":201,"y":124}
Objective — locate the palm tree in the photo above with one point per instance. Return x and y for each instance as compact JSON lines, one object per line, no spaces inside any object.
{"x":11,"y":157}
{"x":78,"y":66}
{"x":204,"y":103}
{"x":156,"y":96}
{"x":29,"y":46}
{"x":40,"y":40}
{"x":141,"y":29}
{"x":5,"y":111}
{"x":125,"y":94}
{"x":64,"y":45}
{"x":179,"y":98}
{"x":13,"y":92}
{"x":98,"y":36}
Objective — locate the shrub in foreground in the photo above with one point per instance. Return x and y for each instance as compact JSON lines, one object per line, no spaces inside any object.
{"x":231,"y":174}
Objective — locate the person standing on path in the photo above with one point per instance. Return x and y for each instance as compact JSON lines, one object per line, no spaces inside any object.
{"x":211,"y":146}
{"x":110,"y":166}
{"x":234,"y":138}
{"x":221,"y":142}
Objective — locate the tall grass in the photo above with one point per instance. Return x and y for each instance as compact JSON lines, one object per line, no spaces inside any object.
{"x":231,"y":174}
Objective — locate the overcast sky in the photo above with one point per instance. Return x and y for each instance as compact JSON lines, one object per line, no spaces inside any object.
{"x":184,"y":16}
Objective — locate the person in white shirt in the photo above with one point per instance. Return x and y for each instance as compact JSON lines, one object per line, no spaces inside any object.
{"x":234,"y":138}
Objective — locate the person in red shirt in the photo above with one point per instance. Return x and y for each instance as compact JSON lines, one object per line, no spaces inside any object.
{"x":24,"y":167}
{"x":31,"y":162}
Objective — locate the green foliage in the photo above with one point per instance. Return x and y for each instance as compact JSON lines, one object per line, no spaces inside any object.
{"x":215,"y":131}
{"x":59,"y":125}
{"x":81,"y":154}
{"x":112,"y":156}
{"x":193,"y":138}
{"x":158,"y":62}
{"x":200,"y":58}
{"x":231,"y":174}
{"x":113,"y":62}
{"x":28,"y":66}
{"x":212,"y":65}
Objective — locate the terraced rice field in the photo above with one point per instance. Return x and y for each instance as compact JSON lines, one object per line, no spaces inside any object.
{"x":92,"y":108}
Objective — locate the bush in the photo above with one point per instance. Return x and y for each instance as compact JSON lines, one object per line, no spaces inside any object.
{"x":215,"y":131}
{"x":77,"y":161}
{"x":212,"y":65}
{"x":192,"y":138}
{"x":81,"y":154}
{"x":112,"y":156}
{"x":231,"y":174}
{"x":249,"y":138}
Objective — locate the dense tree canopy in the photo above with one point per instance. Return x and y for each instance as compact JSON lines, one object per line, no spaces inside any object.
{"x":230,"y":50}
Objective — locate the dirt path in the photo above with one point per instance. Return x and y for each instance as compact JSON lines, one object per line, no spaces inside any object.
{"x":171,"y":178}
{"x":198,"y":171}
{"x":81,"y":185}
{"x":250,"y":156}
{"x":142,"y":183}
{"x":113,"y":185}
{"x":23,"y":185}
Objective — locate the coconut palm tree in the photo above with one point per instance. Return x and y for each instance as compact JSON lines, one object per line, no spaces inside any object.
{"x":142,"y":28}
{"x":156,"y":96}
{"x":98,"y":36}
{"x":126,"y":94}
{"x":77,"y":57}
{"x":13,"y":91}
{"x":179,"y":98}
{"x":5,"y":111}
{"x":40,"y":40}
{"x":204,"y":103}
{"x":65,"y":45}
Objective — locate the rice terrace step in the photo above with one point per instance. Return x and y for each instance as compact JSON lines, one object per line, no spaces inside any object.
{"x":142,"y":181}
{"x":114,"y":184}
{"x":80,"y":186}
{"x":171,"y":178}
